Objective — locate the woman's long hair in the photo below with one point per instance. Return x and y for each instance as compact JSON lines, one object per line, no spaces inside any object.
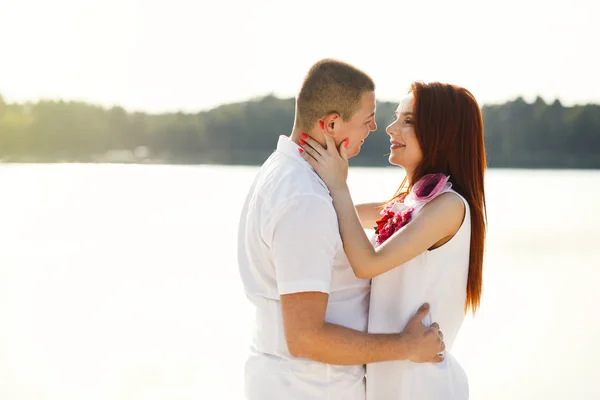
{"x":449,"y":128}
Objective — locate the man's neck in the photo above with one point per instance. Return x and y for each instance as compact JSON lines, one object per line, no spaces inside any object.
{"x":296,"y":136}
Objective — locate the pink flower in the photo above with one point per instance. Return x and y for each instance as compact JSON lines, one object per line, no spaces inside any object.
{"x":429,"y":186}
{"x":426,"y":189}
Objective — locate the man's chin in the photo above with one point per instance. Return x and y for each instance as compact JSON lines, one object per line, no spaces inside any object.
{"x":354,"y":153}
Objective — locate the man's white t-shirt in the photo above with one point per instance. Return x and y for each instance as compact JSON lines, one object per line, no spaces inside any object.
{"x":289,"y":242}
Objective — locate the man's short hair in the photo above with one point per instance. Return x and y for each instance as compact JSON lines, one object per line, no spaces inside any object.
{"x":331,"y":86}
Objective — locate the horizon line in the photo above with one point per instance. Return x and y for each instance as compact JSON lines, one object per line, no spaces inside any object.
{"x":134,"y":110}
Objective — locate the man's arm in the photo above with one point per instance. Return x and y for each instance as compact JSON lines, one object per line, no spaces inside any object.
{"x":309,"y":336}
{"x":304,"y":242}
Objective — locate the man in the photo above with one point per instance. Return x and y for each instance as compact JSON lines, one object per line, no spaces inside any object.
{"x":311,"y":310}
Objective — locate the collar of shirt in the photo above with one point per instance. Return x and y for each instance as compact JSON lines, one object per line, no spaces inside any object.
{"x":290,"y":149}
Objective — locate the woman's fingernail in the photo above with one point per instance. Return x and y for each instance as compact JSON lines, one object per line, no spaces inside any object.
{"x":347,"y":142}
{"x":300,"y":151}
{"x":322,"y":124}
{"x":303,"y":135}
{"x":302,"y":142}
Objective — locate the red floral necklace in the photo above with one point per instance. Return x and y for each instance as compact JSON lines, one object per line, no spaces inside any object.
{"x":399,"y":211}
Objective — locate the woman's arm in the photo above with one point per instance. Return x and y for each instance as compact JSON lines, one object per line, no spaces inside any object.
{"x":368,"y":213}
{"x":438,"y":220}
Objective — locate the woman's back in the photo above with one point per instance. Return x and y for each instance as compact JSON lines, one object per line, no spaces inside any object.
{"x":438,"y":277}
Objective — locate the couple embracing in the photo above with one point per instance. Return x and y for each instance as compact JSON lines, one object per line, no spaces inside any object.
{"x":338,"y":314}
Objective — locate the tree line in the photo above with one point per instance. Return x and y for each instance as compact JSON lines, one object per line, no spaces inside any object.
{"x":517,"y":134}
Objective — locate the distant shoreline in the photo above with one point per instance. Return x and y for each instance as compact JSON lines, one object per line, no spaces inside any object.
{"x":518,"y":135}
{"x":175,"y":164}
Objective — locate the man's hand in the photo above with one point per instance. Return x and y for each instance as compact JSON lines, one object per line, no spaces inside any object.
{"x":424,"y":344}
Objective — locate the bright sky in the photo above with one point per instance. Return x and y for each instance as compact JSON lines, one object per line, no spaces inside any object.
{"x":158,"y":55}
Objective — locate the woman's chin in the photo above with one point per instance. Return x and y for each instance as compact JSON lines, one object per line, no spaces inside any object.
{"x":394,"y":160}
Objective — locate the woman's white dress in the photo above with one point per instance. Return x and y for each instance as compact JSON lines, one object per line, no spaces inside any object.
{"x":438,"y":277}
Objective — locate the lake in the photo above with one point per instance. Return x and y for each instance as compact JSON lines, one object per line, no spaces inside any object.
{"x":121,"y":282}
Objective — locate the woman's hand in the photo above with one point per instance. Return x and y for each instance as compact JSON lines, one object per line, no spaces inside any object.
{"x":328,"y":162}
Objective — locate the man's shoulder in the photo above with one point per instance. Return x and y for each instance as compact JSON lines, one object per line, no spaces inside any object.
{"x":287,"y":191}
{"x":282,"y":180}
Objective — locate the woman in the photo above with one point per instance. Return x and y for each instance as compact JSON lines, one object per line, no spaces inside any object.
{"x":429,"y":240}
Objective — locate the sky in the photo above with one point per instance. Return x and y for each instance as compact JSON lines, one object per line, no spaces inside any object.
{"x":158,"y":55}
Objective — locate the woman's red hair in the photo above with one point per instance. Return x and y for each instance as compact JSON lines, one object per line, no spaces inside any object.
{"x":449,"y":128}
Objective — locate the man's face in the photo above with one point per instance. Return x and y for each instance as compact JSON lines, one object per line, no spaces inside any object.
{"x":358,"y":128}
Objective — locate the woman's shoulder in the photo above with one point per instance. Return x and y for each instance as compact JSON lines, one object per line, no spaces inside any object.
{"x":457,"y":203}
{"x":448,"y":208}
{"x":456,"y":209}
{"x":452,"y":199}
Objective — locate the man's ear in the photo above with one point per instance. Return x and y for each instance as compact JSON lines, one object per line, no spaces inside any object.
{"x":330,"y":121}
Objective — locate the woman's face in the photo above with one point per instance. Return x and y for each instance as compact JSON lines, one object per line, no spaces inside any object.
{"x":405,"y":150}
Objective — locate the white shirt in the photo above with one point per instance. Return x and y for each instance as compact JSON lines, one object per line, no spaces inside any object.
{"x":438,"y":277}
{"x":289,"y":242}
